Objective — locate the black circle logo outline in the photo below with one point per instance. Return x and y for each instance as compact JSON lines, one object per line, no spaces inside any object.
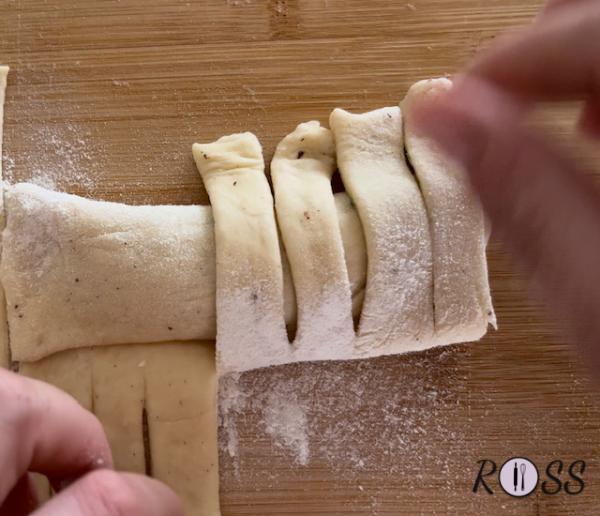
{"x":536,"y":470}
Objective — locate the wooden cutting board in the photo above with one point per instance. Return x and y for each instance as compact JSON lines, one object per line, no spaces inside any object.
{"x":105,"y":99}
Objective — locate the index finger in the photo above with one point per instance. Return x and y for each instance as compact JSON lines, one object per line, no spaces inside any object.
{"x":45,"y":430}
{"x":557,"y":58}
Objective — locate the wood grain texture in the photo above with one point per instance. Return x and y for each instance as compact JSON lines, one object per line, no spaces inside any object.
{"x":106,"y":98}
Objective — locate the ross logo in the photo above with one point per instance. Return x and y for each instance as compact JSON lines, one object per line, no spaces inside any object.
{"x":518,"y":476}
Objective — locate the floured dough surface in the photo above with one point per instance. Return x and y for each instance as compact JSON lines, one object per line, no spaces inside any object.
{"x":83,"y":273}
{"x":80,"y":273}
{"x":397,"y":314}
{"x":301,"y":172}
{"x":249,"y":275}
{"x":463,"y":305}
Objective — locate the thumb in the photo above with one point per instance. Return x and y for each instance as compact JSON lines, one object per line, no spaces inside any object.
{"x":544,"y":209}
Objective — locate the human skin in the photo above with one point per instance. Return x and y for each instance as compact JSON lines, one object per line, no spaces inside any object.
{"x":45,"y":430}
{"x":540,"y":204}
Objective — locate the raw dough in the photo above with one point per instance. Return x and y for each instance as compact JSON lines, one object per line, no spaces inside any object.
{"x":250,"y":322}
{"x":181,"y":403}
{"x":84,"y":273}
{"x":163,"y":278}
{"x":4,"y":344}
{"x":87,"y":273}
{"x":118,"y":388}
{"x":397,"y":314}
{"x":175,"y":383}
{"x":301,"y":172}
{"x":463,"y":305}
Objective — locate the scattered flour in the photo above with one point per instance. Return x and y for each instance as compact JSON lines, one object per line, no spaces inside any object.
{"x":285,"y":420}
{"x":353,"y":416}
{"x":59,"y":158}
{"x":239,"y":3}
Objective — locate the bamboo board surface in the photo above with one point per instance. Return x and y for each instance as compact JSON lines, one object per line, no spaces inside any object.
{"x":105,"y":99}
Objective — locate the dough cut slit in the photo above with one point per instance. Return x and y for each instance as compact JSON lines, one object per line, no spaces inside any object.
{"x":119,"y":397}
{"x":249,"y":276}
{"x":301,"y":172}
{"x":355,"y":254}
{"x":463,"y":306}
{"x":397,"y":314}
{"x":148,"y":469}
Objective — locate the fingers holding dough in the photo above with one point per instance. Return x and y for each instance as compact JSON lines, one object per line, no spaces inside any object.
{"x":397,"y":314}
{"x":463,"y":305}
{"x":301,"y":171}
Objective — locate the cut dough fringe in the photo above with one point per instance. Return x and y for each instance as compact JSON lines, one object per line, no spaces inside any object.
{"x":80,"y":272}
{"x":403,"y":255}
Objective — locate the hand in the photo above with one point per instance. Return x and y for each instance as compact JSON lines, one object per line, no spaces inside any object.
{"x":542,"y":206}
{"x":44,"y":430}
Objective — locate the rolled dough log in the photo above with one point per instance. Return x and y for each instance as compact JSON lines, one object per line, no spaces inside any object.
{"x":4,"y":344}
{"x":84,"y":273}
{"x":397,"y":314}
{"x":146,"y":273}
{"x":462,"y":300}
{"x":301,"y":172}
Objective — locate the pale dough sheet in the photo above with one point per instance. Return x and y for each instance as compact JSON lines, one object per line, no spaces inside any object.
{"x":83,"y":273}
{"x":80,"y":272}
